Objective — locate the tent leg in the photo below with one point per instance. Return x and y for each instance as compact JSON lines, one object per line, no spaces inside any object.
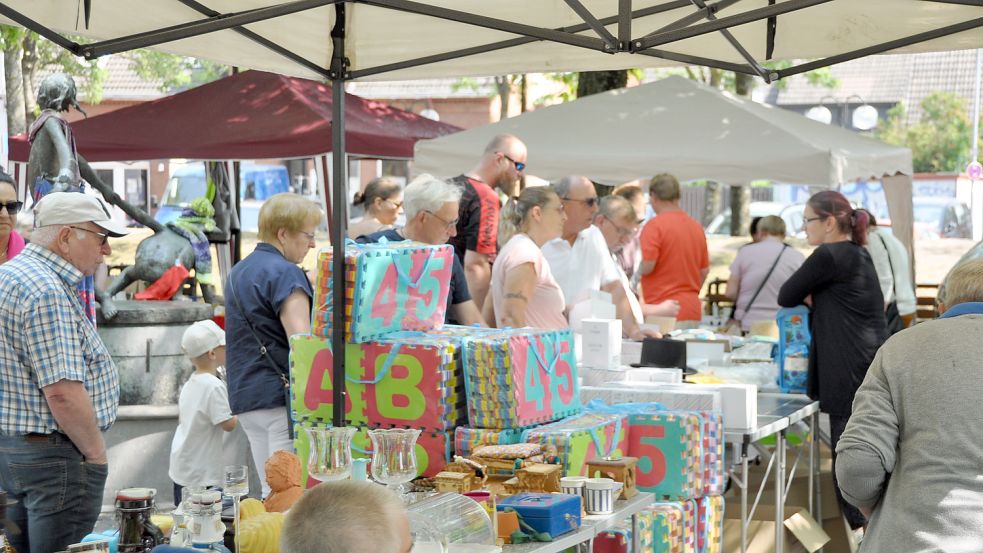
{"x":339,"y":216}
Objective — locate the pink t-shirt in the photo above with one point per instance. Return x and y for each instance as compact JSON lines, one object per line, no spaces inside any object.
{"x":750,"y":267}
{"x":545,"y":307}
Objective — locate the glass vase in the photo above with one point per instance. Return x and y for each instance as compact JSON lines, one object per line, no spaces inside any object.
{"x":330,"y":452}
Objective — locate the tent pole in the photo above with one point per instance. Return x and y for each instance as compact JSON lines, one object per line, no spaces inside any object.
{"x":339,"y":201}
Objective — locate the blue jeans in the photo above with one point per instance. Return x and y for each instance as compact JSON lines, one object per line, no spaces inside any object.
{"x":58,"y":495}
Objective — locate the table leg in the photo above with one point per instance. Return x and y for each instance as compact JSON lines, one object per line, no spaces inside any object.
{"x":812,"y":463}
{"x":780,"y":492}
{"x":636,"y":541}
{"x":744,"y":519}
{"x":819,"y":480}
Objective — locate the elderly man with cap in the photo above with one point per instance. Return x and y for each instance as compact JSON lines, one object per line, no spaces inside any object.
{"x":59,"y":389}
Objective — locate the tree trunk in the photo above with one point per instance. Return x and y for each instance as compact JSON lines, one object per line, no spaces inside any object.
{"x":29,"y":67}
{"x":16,"y":118}
{"x":592,"y":82}
{"x":740,"y":201}
{"x":711,"y":202}
{"x":504,"y":85}
{"x":716,"y":75}
{"x":523,"y":92}
{"x":740,"y":195}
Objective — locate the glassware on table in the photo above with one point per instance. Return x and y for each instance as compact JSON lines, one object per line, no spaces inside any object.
{"x":449,"y":518}
{"x":331,"y":452}
{"x":394,"y":456}
{"x":236,"y":484}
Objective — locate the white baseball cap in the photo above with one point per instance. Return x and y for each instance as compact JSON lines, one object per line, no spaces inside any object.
{"x":201,"y":338}
{"x":72,"y":208}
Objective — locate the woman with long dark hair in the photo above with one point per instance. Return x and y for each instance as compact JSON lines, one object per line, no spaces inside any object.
{"x":838,"y":282}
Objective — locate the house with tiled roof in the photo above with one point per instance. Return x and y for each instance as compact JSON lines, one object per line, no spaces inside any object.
{"x":882,"y":82}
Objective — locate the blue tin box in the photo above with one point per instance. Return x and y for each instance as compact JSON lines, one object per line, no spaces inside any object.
{"x":553,"y":513}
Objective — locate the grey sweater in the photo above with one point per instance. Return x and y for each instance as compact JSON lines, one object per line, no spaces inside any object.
{"x":913,"y":449}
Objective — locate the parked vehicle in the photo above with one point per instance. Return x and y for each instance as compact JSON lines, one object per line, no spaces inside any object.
{"x":791,"y":214}
{"x":256,"y":184}
{"x":941,"y":218}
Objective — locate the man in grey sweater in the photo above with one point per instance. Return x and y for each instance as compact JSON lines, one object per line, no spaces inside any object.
{"x":911,"y":457}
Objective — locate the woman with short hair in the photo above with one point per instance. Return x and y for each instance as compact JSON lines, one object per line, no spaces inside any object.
{"x":758,"y":272}
{"x":11,"y":243}
{"x":268,"y":299}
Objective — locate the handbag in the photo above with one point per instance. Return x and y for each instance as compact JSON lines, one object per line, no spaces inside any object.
{"x":763,"y":282}
{"x":263,"y":352}
{"x":891,"y":314}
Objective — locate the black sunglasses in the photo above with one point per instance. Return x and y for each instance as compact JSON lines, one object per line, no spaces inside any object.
{"x":12,"y":207}
{"x":589,"y":202}
{"x":519,"y":166}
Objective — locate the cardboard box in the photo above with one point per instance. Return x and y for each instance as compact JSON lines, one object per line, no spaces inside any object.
{"x":711,"y":350}
{"x":601,"y":343}
{"x":802,"y":533}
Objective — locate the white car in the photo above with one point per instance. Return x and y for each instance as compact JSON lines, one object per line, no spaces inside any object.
{"x":791,"y":214}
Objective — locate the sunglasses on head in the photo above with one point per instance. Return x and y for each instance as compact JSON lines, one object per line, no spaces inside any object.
{"x":12,"y":207}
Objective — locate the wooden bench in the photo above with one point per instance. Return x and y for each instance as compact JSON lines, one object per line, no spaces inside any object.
{"x":925,"y":295}
{"x":715,"y":297}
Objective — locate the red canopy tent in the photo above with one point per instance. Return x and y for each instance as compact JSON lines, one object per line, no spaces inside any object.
{"x":251,"y":115}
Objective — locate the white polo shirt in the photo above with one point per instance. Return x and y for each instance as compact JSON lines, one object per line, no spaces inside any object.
{"x":585,"y":266}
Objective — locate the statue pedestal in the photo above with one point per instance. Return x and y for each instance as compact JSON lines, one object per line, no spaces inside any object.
{"x":144,"y":340}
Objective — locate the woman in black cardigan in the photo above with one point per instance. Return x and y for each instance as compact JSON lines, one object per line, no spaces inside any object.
{"x":839,"y":284}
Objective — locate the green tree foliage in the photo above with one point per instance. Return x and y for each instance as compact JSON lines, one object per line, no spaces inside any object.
{"x":175,"y":72}
{"x":941,"y":141}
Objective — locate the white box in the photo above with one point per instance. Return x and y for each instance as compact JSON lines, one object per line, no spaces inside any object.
{"x":739,"y":403}
{"x":652,"y":374}
{"x":631,"y":352}
{"x":601,"y":343}
{"x":712,"y":351}
{"x":677,"y":398}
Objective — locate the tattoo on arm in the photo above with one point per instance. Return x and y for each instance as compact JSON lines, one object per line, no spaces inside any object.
{"x":515,"y":296}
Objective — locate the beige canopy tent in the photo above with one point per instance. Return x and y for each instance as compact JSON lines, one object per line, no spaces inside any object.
{"x":403,"y":39}
{"x":688,"y":129}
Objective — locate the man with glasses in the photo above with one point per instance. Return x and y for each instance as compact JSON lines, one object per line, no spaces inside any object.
{"x":675,"y":260}
{"x":501,"y":166}
{"x":580,"y":260}
{"x":59,"y":389}
{"x":431,"y":208}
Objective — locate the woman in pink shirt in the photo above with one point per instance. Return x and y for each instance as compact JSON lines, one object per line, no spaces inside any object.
{"x":524,"y":292}
{"x":11,"y":243}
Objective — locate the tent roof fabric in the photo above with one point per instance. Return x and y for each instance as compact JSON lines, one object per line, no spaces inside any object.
{"x":384,"y":32}
{"x":251,"y":115}
{"x":675,"y":125}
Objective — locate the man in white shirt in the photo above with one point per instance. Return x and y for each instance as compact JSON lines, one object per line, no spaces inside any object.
{"x":893,"y":270}
{"x":580,"y":260}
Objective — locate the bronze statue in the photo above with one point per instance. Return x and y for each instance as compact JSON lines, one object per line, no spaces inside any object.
{"x":55,"y":165}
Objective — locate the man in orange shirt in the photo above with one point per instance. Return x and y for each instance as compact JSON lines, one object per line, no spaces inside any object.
{"x":675,"y":261}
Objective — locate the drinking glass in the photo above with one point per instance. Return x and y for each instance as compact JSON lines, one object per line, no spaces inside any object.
{"x":236,"y":483}
{"x":331,"y":452}
{"x":394,"y":456}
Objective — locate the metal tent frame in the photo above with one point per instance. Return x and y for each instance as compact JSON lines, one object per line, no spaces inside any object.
{"x":706,"y":17}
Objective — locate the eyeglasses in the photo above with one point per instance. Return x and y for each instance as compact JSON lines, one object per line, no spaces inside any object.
{"x":589,"y":202}
{"x":519,"y":166}
{"x":396,"y":204}
{"x":12,"y":207}
{"x":624,"y":232}
{"x":103,"y":235}
{"x":808,"y":220}
{"x":309,"y":235}
{"x":447,"y":224}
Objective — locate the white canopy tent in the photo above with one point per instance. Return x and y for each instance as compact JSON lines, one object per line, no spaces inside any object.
{"x":403,"y":39}
{"x":691,"y":130}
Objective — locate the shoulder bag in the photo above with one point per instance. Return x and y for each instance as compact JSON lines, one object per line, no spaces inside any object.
{"x":269,"y":360}
{"x":763,"y":282}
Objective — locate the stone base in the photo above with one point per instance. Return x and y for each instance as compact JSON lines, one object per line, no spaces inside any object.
{"x":144,"y":340}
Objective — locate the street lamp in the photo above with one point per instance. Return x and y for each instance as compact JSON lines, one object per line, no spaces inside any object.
{"x":864,"y":117}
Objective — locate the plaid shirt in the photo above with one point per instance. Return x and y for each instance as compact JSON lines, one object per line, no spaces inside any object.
{"x":45,"y":337}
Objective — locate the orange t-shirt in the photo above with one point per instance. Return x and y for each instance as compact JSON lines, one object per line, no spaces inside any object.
{"x":677,"y":244}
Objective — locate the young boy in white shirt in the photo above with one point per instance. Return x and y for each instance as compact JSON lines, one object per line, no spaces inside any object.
{"x":203,"y":411}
